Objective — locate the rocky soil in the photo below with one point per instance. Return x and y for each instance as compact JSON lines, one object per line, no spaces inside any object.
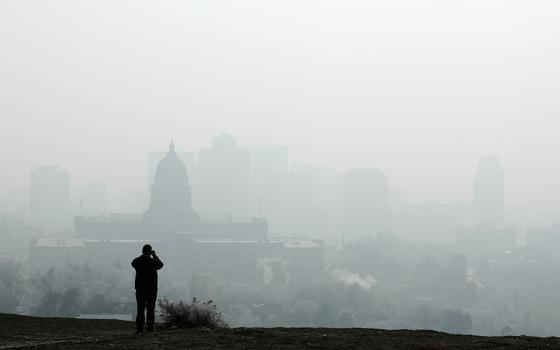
{"x":23,"y":332}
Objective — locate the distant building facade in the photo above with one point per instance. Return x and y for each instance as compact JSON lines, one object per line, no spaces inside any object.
{"x":170,"y":205}
{"x":45,"y":253}
{"x":92,"y":200}
{"x":224,"y":180}
{"x":188,"y":158}
{"x":430,"y":221}
{"x":238,"y":251}
{"x":269,"y":168}
{"x":486,"y":242}
{"x":49,"y":196}
{"x":170,"y":212}
{"x":488,"y":194}
{"x":365,"y":203}
{"x":324,"y":192}
{"x":544,"y":243}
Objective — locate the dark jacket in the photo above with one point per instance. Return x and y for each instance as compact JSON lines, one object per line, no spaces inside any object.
{"x":146,"y":272}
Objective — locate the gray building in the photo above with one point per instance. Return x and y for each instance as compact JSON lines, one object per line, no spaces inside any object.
{"x":188,"y":158}
{"x":365,"y":203}
{"x":92,"y":200}
{"x":231,"y":251}
{"x":170,"y":202}
{"x":49,"y":197}
{"x":224,"y":181}
{"x":486,"y":242}
{"x":488,"y":196}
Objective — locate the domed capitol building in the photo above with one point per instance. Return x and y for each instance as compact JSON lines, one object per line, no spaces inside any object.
{"x":233,"y":251}
{"x":170,"y":206}
{"x":170,"y":213}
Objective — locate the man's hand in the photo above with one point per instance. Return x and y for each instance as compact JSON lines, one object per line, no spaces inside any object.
{"x":153,"y":253}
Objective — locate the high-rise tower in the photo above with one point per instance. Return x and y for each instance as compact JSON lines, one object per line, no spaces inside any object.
{"x":488,"y":196}
{"x":224,"y":181}
{"x":365,"y":203}
{"x":49,"y":193}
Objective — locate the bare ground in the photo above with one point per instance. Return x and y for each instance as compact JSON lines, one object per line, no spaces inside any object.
{"x":23,"y":332}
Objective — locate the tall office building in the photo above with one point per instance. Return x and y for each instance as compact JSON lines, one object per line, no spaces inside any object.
{"x":224,"y":181}
{"x":488,"y":196}
{"x":49,"y":193}
{"x":365,"y":203}
{"x":92,"y":200}
{"x":269,"y":168}
{"x":325,"y":207}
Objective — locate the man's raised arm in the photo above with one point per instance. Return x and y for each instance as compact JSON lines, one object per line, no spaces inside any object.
{"x":158,"y":262}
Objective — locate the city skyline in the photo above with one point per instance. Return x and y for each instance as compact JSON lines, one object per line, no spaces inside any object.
{"x":293,"y":167}
{"x":306,"y":200}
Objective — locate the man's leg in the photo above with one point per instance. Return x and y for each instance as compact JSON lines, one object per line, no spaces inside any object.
{"x":140,"y":306}
{"x":151,"y":307}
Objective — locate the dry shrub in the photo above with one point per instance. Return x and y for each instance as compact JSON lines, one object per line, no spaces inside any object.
{"x":181,"y":314}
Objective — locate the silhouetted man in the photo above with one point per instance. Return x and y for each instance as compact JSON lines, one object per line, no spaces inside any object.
{"x":146,"y":282}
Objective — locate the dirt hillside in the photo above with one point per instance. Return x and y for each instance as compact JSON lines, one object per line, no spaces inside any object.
{"x":65,"y":333}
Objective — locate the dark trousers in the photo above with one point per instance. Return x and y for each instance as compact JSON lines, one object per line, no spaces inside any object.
{"x":145,"y":300}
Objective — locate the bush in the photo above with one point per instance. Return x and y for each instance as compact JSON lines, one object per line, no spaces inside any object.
{"x":190,"y":315}
{"x":11,"y":284}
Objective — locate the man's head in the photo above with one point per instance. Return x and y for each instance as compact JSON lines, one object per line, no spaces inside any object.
{"x":147,"y":249}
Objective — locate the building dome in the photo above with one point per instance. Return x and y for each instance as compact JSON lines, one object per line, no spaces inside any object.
{"x":170,"y":203}
{"x":171,"y":170}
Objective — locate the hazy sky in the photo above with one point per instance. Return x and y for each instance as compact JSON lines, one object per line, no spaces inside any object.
{"x":420,"y":89}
